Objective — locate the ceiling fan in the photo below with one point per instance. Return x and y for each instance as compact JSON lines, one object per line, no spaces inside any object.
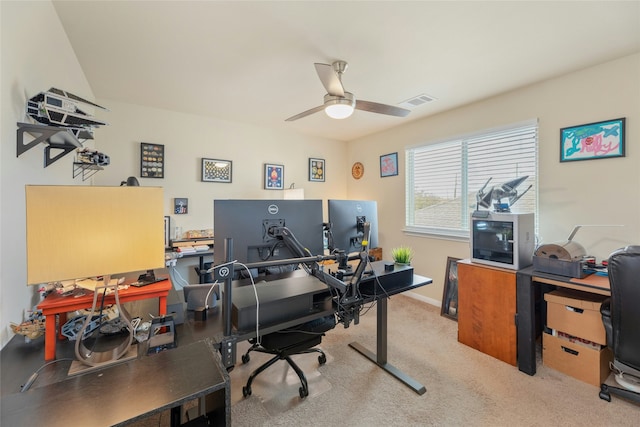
{"x":338,"y":103}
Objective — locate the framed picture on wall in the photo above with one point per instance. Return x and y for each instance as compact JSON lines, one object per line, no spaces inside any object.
{"x":273,"y":177}
{"x":214,"y":170}
{"x":389,"y":165}
{"x":592,"y":141}
{"x":316,"y":170}
{"x":151,"y":160}
{"x":180,"y":205}
{"x":449,"y":306}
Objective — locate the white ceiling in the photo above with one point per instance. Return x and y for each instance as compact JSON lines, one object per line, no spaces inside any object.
{"x":252,"y":62}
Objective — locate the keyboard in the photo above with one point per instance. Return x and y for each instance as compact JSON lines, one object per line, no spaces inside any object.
{"x":144,"y":282}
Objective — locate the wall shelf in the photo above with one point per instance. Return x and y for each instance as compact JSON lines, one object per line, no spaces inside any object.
{"x":87,"y":170}
{"x":60,"y":141}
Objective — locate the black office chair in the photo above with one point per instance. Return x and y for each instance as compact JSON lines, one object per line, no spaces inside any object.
{"x":300,"y":339}
{"x":621,"y":317}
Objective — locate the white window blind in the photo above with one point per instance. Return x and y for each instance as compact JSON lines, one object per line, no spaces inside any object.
{"x":444,"y":177}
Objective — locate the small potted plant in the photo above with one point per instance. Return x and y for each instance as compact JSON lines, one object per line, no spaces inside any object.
{"x":402,"y":255}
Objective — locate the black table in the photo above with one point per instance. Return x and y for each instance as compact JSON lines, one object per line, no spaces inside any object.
{"x":530,"y":287}
{"x":126,"y":392}
{"x":380,"y":357}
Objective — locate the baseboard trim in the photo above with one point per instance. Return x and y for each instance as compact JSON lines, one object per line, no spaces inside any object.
{"x":423,"y":298}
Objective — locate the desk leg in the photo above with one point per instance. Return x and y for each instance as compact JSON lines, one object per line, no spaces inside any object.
{"x":50,"y":337}
{"x":381,"y":349}
{"x":526,"y":324}
{"x":201,"y":264}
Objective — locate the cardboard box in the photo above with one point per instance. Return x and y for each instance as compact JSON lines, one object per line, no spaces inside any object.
{"x":576,"y":313}
{"x":574,"y":359}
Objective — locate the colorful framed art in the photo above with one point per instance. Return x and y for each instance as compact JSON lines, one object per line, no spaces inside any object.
{"x":151,"y":160}
{"x":273,"y":177}
{"x":389,"y":165}
{"x":592,"y":141}
{"x":316,"y":170}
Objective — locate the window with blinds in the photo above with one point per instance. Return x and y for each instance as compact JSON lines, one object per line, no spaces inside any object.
{"x":444,"y":177}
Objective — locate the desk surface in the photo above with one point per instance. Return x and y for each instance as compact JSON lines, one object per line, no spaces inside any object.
{"x":122,"y":393}
{"x":592,"y":283}
{"x":83,"y":298}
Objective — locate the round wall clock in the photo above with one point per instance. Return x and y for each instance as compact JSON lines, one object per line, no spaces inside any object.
{"x":357,"y":170}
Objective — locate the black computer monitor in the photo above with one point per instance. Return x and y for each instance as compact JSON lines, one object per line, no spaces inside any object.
{"x":248,"y":223}
{"x":346,"y":218}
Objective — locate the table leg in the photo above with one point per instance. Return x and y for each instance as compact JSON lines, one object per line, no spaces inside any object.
{"x":162,"y":305}
{"x":50,"y":336}
{"x":381,"y":349}
{"x":62,"y":319}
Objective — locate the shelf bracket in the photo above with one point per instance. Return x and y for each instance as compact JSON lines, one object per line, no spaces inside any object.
{"x":56,"y":138}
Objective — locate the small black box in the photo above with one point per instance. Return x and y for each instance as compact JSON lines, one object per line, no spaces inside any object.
{"x":388,"y":266}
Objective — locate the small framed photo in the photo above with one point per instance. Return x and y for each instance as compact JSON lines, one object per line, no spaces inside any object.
{"x":180,"y":205}
{"x":389,"y":164}
{"x":151,"y":160}
{"x":316,"y":170}
{"x":450,"y":294}
{"x":167,"y":227}
{"x":273,"y":177}
{"x":592,"y":141}
{"x":214,"y":170}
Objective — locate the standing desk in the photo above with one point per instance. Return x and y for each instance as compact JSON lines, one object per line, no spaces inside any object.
{"x":57,"y":305}
{"x":530,"y":285}
{"x":126,"y":392}
{"x":380,"y":357}
{"x":370,"y":291}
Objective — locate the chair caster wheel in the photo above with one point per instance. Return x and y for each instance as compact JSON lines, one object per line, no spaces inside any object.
{"x":303,"y":393}
{"x":604,"y":393}
{"x":246,"y":358}
{"x":322,"y":359}
{"x":246,"y":391}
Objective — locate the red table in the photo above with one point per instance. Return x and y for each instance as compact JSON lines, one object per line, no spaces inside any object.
{"x":55,"y":304}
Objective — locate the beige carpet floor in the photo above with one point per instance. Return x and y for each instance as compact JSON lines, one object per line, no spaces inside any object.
{"x":464,"y":386}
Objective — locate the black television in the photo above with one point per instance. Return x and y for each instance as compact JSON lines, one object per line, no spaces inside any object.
{"x":346,"y":218}
{"x":250,"y":224}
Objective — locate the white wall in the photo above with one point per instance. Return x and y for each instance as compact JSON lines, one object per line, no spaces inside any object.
{"x":603,"y":191}
{"x":36,"y":55}
{"x":188,"y":138}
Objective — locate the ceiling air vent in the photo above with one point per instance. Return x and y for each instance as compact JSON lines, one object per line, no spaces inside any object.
{"x":416,"y":101}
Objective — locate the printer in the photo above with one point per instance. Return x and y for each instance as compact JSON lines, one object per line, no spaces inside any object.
{"x":562,"y":258}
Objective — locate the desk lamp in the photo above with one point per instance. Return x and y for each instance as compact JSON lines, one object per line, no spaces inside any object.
{"x":85,"y":231}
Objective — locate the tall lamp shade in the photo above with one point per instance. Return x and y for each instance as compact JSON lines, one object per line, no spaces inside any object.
{"x":85,"y":231}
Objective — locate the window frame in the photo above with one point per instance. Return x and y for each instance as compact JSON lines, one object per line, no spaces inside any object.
{"x":461,"y":234}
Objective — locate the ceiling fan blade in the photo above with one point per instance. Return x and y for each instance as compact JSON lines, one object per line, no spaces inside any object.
{"x":375,"y":107}
{"x":329,"y":79}
{"x":305,"y":113}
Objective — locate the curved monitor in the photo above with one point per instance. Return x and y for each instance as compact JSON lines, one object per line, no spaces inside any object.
{"x":250,"y":222}
{"x":346,"y":218}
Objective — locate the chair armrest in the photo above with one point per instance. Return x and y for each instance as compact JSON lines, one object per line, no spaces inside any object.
{"x":605,"y":311}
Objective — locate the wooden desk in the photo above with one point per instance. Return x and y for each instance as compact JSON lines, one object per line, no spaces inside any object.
{"x":57,"y":305}
{"x":127,"y":392}
{"x":530,"y":285}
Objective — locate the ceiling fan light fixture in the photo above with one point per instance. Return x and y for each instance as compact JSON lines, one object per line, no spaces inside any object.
{"x":338,"y":107}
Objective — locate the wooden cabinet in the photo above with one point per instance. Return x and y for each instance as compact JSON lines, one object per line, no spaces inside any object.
{"x":487,"y":310}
